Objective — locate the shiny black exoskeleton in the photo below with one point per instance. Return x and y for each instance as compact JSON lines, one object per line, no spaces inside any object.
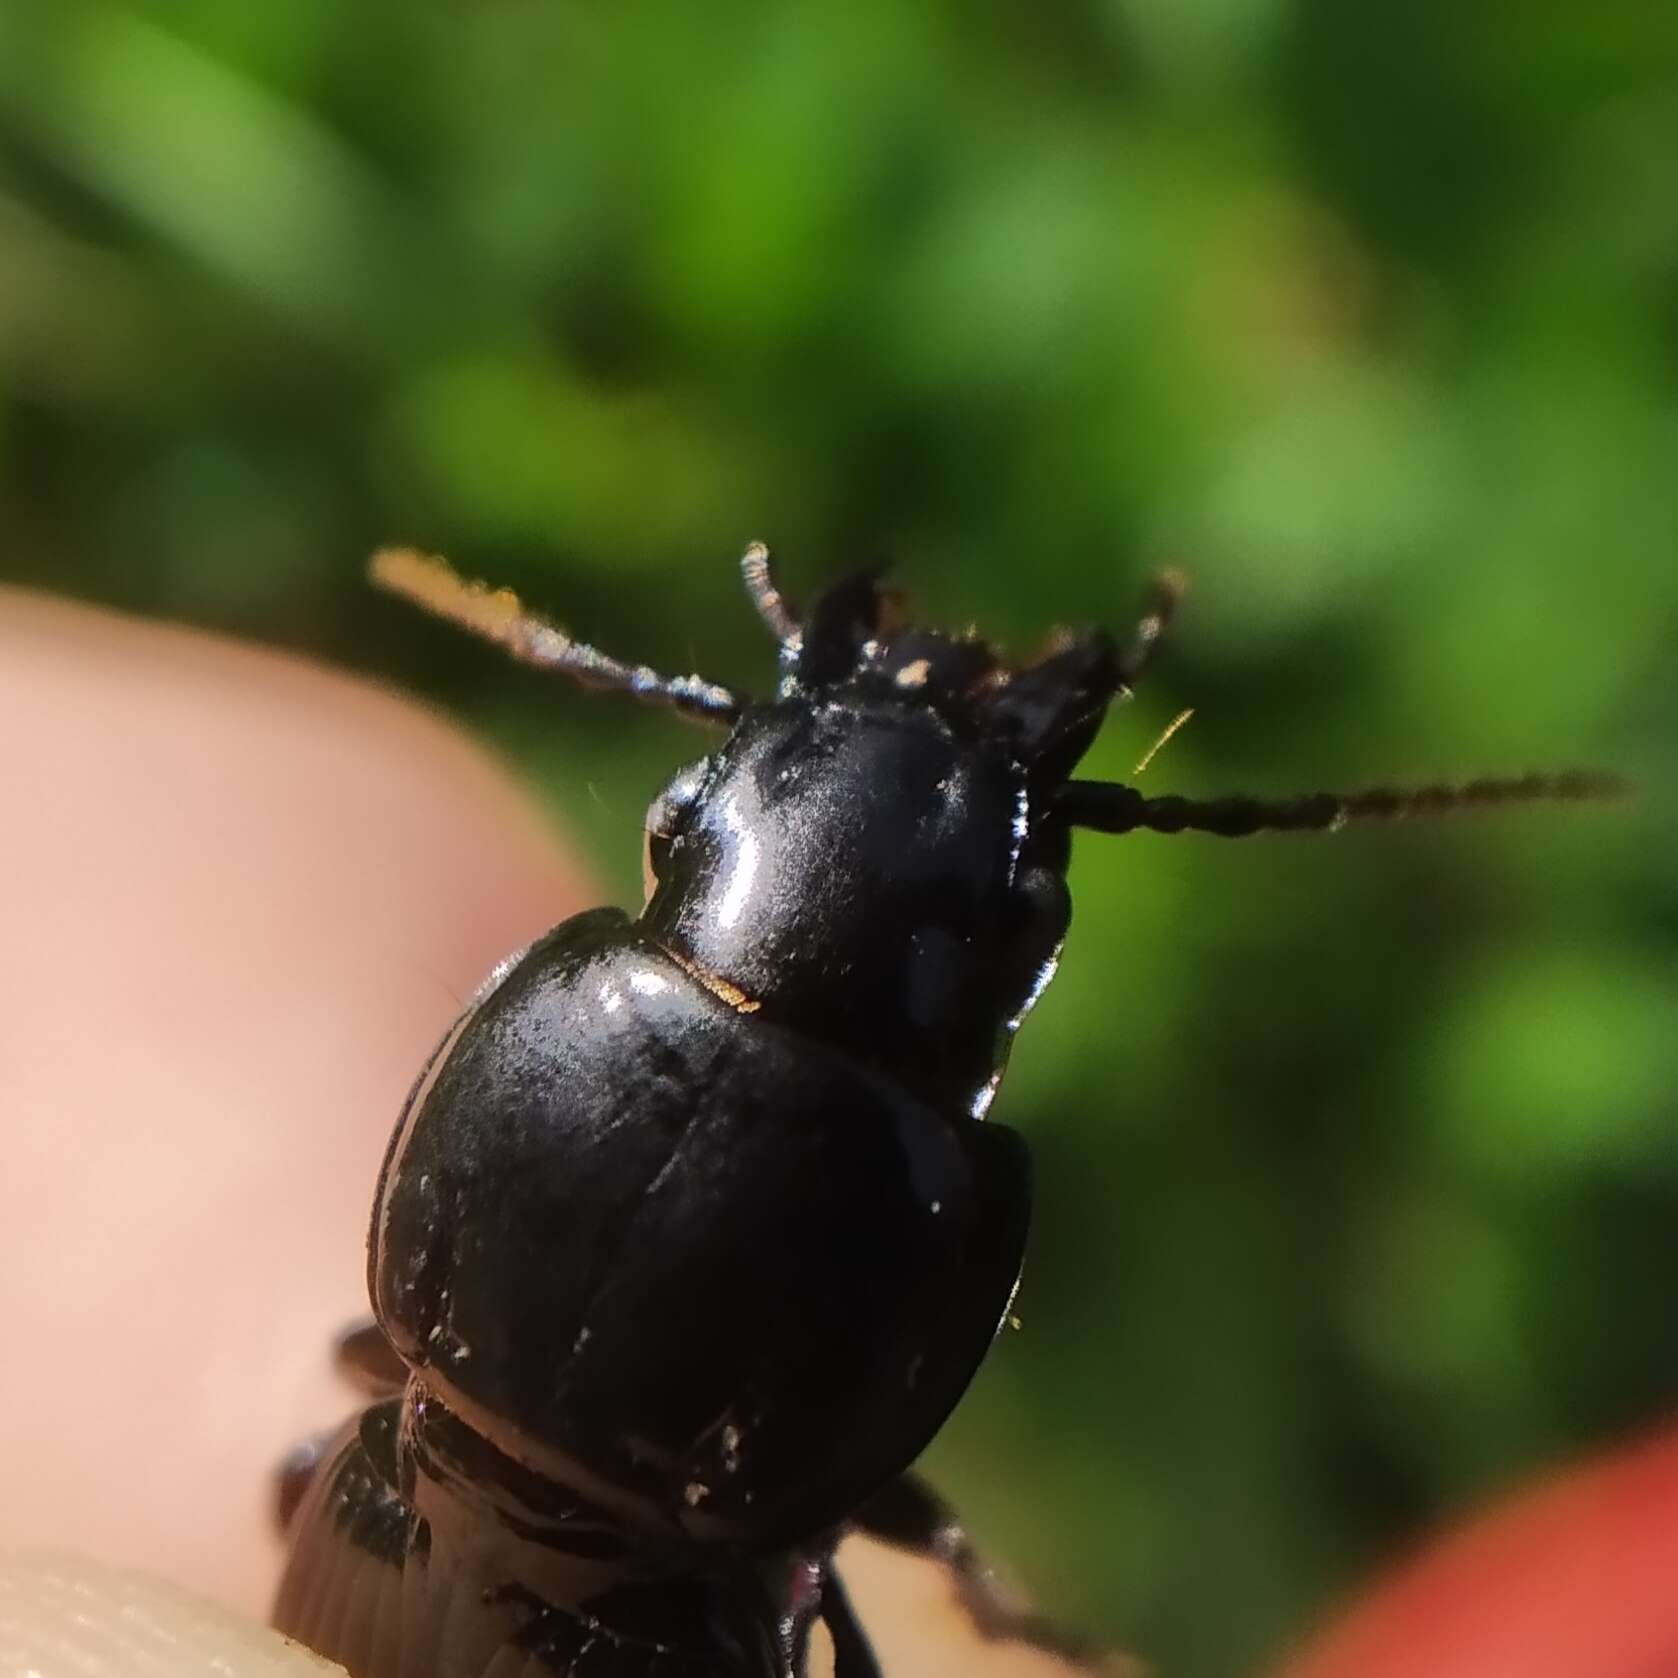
{"x":694,"y":1229}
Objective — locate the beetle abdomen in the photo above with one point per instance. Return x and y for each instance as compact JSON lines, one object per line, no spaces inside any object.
{"x":726,"y":1272}
{"x":367,"y":1585}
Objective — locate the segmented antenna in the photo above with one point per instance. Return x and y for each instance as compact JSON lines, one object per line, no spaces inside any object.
{"x":772,"y":606}
{"x":498,"y":615}
{"x":1111,"y":807}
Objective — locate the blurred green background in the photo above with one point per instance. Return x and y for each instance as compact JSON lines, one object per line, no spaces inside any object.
{"x":1358,"y":1188}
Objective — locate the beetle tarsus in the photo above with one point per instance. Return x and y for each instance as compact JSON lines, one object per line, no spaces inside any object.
{"x":853,"y":1654}
{"x":910,"y":1516}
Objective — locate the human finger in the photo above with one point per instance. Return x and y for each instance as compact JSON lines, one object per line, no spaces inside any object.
{"x":1572,"y":1578}
{"x":243,"y":896}
{"x":80,"y":1619}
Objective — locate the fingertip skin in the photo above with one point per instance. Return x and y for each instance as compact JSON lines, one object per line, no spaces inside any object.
{"x":1577,"y":1578}
{"x":242,"y":898}
{"x":70,"y":1618}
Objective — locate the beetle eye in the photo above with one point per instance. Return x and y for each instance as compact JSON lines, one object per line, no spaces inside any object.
{"x":665,"y":816}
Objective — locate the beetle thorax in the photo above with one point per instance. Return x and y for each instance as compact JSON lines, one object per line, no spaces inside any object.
{"x":862,"y":871}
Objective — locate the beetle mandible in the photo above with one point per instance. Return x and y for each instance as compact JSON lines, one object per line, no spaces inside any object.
{"x":694,"y":1228}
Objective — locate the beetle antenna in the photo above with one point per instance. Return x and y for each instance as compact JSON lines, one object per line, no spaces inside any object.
{"x":771,"y":604}
{"x":1111,"y":807}
{"x":497,"y":615}
{"x":1163,"y":595}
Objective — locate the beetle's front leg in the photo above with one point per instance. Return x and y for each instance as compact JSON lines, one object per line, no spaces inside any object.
{"x":908,"y":1515}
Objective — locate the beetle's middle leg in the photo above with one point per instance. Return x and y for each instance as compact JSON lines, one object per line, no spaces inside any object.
{"x":365,"y":1358}
{"x":909,"y":1515}
{"x":368,"y":1361}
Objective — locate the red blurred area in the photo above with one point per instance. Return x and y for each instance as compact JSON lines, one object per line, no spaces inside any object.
{"x":1577,"y":1578}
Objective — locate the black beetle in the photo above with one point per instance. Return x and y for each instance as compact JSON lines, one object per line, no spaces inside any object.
{"x":693,"y":1230}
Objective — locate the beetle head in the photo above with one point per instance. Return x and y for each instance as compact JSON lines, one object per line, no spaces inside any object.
{"x":873,"y":857}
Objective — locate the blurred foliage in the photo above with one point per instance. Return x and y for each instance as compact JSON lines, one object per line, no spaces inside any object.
{"x":1358,"y":1188}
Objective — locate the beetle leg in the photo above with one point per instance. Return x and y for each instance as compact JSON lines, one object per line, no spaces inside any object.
{"x":365,"y":1358}
{"x":908,"y":1515}
{"x":294,"y":1473}
{"x":853,"y":1654}
{"x":368,"y":1361}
